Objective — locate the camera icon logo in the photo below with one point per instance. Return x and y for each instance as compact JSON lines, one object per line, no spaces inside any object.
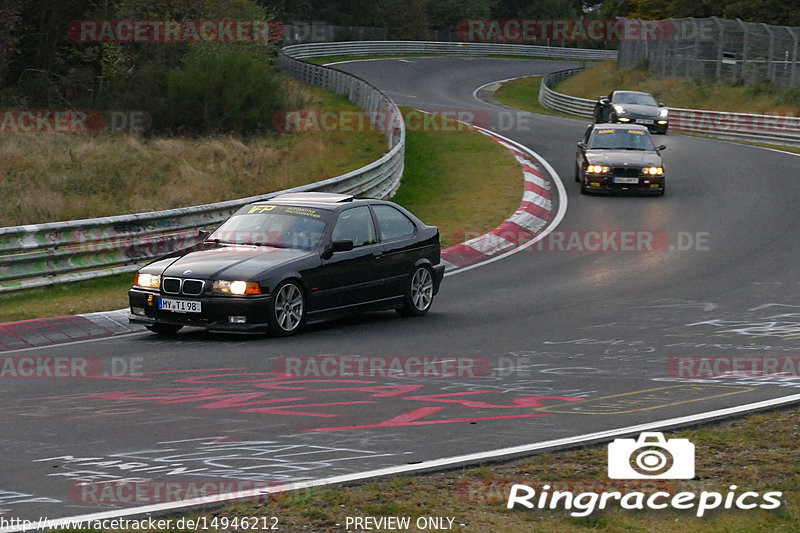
{"x":651,"y":457}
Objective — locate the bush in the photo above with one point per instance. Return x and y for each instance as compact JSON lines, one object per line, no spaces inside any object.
{"x":221,"y":89}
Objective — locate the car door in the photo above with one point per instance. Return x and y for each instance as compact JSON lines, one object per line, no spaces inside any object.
{"x":580,"y":155}
{"x":399,"y":248}
{"x":351,"y":277}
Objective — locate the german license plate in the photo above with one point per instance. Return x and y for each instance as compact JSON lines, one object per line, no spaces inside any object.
{"x":179,"y":306}
{"x":644,"y":121}
{"x":626,"y":180}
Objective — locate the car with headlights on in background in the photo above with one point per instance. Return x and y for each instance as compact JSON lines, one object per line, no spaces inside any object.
{"x":619,"y":158}
{"x":632,"y":107}
{"x":297,"y":258}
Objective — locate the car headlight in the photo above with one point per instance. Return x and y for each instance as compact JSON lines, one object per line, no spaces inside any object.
{"x":619,"y":109}
{"x":664,"y":112}
{"x":238,"y":288}
{"x":653,"y":171}
{"x":148,"y":281}
{"x":597,"y":169}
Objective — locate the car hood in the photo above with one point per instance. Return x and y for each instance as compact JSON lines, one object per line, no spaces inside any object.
{"x":641,"y":110}
{"x":618,"y":158}
{"x":223,"y":261}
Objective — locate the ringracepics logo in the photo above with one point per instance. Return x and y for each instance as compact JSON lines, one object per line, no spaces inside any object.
{"x":650,"y":457}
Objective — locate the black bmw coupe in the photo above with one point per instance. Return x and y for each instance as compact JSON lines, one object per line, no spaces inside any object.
{"x":619,"y":158}
{"x":296,"y":258}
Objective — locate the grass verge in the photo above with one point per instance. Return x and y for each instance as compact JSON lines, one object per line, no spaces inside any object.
{"x":524,"y":94}
{"x":602,"y":78}
{"x":445,"y":172}
{"x":605,"y":77}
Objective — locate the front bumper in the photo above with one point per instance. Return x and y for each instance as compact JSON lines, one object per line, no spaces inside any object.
{"x":214,"y":315}
{"x":657,"y":124}
{"x":607,"y":184}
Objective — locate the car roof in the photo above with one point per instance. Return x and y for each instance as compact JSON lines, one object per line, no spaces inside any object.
{"x":317,"y":200}
{"x":632,"y":92}
{"x":619,"y":126}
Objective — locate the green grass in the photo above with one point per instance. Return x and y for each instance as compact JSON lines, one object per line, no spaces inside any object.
{"x":101,"y":294}
{"x":460,"y":180}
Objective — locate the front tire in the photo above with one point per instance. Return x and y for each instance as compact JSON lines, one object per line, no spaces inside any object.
{"x":419,"y":293}
{"x":287,"y":309}
{"x":164,"y":329}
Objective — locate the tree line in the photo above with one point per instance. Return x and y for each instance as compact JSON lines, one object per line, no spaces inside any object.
{"x":199,"y":87}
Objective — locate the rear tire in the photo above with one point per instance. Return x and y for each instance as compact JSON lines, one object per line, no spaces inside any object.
{"x":419,"y":293}
{"x":287,"y":309}
{"x":164,"y":329}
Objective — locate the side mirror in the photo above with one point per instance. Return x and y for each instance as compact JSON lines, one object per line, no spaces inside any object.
{"x":661,"y":147}
{"x":341,"y":246}
{"x":661,"y":104}
{"x":337,"y":246}
{"x":202,"y":234}
{"x":604,"y":100}
{"x":581,"y":144}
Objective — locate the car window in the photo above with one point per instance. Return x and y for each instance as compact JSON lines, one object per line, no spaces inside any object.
{"x":620,"y":139}
{"x":268,"y":225}
{"x":393,"y":224}
{"x":355,"y":225}
{"x":634,"y":98}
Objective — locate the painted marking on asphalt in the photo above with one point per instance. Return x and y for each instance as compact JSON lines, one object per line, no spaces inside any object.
{"x":646,"y":400}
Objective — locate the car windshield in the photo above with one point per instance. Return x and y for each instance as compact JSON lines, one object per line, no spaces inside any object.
{"x":634,"y":98}
{"x":278,"y":226}
{"x":620,"y":139}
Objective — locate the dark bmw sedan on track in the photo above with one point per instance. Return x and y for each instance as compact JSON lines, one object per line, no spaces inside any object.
{"x":296,"y":258}
{"x":619,"y":158}
{"x":632,"y":107}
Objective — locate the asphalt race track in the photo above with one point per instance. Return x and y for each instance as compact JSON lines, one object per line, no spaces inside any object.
{"x":554,"y":342}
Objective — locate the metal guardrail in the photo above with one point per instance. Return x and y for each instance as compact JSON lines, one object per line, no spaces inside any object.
{"x":725,"y":125}
{"x":45,"y":254}
{"x":365,"y":48}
